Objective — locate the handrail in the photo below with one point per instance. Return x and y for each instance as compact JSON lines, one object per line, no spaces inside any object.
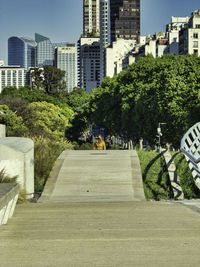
{"x":193,"y":159}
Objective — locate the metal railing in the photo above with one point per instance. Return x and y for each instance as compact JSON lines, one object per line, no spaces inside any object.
{"x":190,"y":146}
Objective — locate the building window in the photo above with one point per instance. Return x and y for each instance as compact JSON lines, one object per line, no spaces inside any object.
{"x":195,"y":35}
{"x":197,"y":26}
{"x":195,"y":44}
{"x":195,"y":51}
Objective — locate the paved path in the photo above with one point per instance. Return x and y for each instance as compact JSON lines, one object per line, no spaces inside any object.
{"x":111,"y":234}
{"x":95,"y":176}
{"x":122,"y":230}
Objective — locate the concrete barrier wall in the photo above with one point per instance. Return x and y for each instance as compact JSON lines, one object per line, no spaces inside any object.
{"x":8,"y":199}
{"x":17,"y":159}
{"x":2,"y":131}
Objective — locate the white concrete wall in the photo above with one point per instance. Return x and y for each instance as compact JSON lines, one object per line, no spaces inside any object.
{"x":2,"y":131}
{"x":17,"y":158}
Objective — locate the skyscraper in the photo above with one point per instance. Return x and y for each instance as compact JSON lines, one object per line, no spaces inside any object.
{"x":45,"y":51}
{"x":22,"y":52}
{"x":91,"y":22}
{"x":66,"y":59}
{"x":104,"y":34}
{"x":125,"y":19}
{"x":88,"y":63}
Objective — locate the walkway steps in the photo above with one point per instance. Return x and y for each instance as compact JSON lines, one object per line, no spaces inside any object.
{"x":111,"y":234}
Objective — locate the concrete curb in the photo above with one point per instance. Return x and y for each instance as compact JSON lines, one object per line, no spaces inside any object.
{"x":50,"y":184}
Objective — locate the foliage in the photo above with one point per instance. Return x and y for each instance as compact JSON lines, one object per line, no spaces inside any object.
{"x":43,"y":119}
{"x":46,"y":152}
{"x":4,"y":178}
{"x":77,"y":98}
{"x":189,"y":188}
{"x":50,"y":79}
{"x":155,"y":176}
{"x":31,"y":95}
{"x":152,"y":90}
{"x":84,"y":146}
{"x":15,"y":123}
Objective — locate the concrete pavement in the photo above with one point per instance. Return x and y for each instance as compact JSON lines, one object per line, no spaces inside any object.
{"x":95,"y":176}
{"x":72,"y":227}
{"x":111,"y":234}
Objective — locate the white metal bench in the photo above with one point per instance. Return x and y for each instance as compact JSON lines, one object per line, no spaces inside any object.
{"x":190,"y":146}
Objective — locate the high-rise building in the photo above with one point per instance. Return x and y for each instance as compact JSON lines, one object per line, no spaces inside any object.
{"x":22,"y":52}
{"x":104,"y":35}
{"x":66,"y":60}
{"x":11,"y":76}
{"x":125,"y":19}
{"x":45,"y":51}
{"x":91,"y":23}
{"x":88,"y":63}
{"x":189,"y":37}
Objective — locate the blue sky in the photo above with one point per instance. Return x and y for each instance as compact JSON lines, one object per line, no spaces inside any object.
{"x":61,"y":20}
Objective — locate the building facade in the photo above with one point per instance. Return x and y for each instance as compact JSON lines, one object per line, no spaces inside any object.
{"x":66,"y":60}
{"x":11,"y":76}
{"x":104,"y":35}
{"x":22,"y":52}
{"x":125,"y":19}
{"x":91,"y":21}
{"x":189,"y":37}
{"x":44,"y":51}
{"x":88,"y":63}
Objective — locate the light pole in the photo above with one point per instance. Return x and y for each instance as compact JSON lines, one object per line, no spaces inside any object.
{"x":159,"y":133}
{"x":63,"y":124}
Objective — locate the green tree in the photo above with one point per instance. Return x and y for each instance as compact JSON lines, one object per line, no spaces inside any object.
{"x":53,"y":81}
{"x":14,"y":123}
{"x":43,"y":119}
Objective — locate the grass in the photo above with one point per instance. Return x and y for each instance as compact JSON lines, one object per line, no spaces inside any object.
{"x":155,"y":175}
{"x":46,"y":151}
{"x":189,"y":188}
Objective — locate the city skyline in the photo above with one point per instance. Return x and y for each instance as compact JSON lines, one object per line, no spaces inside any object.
{"x":62,"y":21}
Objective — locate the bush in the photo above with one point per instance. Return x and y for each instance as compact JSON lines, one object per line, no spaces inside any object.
{"x":189,"y":188}
{"x":46,"y":152}
{"x":84,"y":146}
{"x":155,"y":175}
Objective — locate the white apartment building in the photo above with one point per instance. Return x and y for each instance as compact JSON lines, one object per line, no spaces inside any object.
{"x":88,"y":63}
{"x":116,"y":55}
{"x":66,"y":60}
{"x":11,"y":76}
{"x":91,"y":21}
{"x":190,"y":36}
{"x":172,"y":29}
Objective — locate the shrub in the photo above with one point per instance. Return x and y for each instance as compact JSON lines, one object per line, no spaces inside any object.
{"x":189,"y":188}
{"x":46,"y":152}
{"x":155,"y":175}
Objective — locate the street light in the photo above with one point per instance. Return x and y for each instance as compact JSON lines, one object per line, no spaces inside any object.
{"x":159,"y":133}
{"x":63,"y":125}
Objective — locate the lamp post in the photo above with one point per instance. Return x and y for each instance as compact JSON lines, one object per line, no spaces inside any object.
{"x":63,"y":124}
{"x":159,"y":133}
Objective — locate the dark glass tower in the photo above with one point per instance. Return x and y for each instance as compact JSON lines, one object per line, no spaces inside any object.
{"x":125,"y":19}
{"x":22,"y":52}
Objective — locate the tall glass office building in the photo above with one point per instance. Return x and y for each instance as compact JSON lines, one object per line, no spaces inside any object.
{"x":45,"y":51}
{"x":22,"y":52}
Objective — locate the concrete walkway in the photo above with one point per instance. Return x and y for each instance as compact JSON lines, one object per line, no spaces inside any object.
{"x":95,"y":176}
{"x":122,"y":230}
